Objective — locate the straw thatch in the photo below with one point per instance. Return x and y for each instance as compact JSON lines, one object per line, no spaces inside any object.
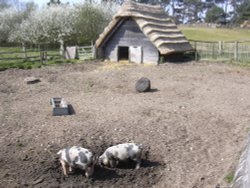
{"x":154,"y":23}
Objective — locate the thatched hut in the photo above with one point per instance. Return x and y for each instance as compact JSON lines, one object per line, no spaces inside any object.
{"x":140,"y":33}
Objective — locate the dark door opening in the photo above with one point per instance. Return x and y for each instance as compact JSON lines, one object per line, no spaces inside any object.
{"x":123,"y":53}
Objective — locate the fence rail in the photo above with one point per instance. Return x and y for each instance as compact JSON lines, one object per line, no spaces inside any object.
{"x":24,"y":53}
{"x":20,"y":53}
{"x":86,"y":52}
{"x":238,"y":51}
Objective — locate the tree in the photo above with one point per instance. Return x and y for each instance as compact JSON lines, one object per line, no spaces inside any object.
{"x":214,"y":15}
{"x":64,"y":23}
{"x":242,"y":12}
{"x":4,"y":4}
{"x":193,"y":10}
{"x":91,"y":20}
{"x":54,"y":2}
{"x":10,"y":20}
{"x":47,"y":25}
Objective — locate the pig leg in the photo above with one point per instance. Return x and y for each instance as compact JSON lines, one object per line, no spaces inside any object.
{"x":138,"y":163}
{"x":113,"y":163}
{"x":137,"y":159}
{"x":70,"y":169}
{"x":64,"y":166}
{"x":87,"y":174}
{"x":89,"y":171}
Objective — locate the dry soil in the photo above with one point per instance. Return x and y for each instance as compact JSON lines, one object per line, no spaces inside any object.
{"x":193,"y":124}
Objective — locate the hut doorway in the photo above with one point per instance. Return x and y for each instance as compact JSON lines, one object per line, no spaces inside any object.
{"x":131,"y":53}
{"x":123,"y":53}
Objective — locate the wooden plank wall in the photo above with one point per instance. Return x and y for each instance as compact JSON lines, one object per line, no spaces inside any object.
{"x":129,"y":34}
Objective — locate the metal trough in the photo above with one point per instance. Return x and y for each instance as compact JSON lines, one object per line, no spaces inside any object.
{"x":59,"y":106}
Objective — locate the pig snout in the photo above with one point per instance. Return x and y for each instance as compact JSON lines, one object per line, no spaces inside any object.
{"x":121,"y":152}
{"x":77,"y":157}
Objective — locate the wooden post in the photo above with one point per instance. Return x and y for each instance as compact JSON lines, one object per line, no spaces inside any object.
{"x":236,"y":50}
{"x":220,"y":48}
{"x":45,"y":56}
{"x":213,"y":51}
{"x":196,"y":53}
{"x":93,"y":50}
{"x":41,"y":56}
{"x":24,"y":51}
{"x":62,"y":48}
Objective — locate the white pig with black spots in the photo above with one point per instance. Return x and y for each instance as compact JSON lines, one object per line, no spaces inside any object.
{"x":121,"y":152}
{"x":77,"y":157}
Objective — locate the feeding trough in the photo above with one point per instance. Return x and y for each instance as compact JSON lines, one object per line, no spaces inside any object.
{"x":59,"y":106}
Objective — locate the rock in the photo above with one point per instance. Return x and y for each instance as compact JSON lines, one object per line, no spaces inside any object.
{"x":25,"y":158}
{"x":40,"y":180}
{"x":143,"y":85}
{"x":32,"y":80}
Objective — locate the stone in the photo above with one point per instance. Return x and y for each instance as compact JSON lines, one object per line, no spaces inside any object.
{"x":143,"y":85}
{"x":32,"y":80}
{"x":40,"y":180}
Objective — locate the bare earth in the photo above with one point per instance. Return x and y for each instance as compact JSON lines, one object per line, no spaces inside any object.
{"x":193,"y":124}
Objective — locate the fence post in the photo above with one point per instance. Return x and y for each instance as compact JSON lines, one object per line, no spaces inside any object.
{"x":196,"y":53}
{"x":45,"y":56}
{"x":62,"y":49}
{"x":92,"y":49}
{"x":236,"y":50}
{"x":24,"y":51}
{"x":41,"y":56}
{"x":220,"y":48}
{"x":213,"y":51}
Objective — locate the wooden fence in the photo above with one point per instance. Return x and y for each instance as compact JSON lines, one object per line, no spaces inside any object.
{"x":86,"y":52}
{"x":18,"y":53}
{"x":221,"y":50}
{"x":8,"y":54}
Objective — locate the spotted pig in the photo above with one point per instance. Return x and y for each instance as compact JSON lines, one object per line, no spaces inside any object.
{"x":77,"y":157}
{"x":121,"y":152}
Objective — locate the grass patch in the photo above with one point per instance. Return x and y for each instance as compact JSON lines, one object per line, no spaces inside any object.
{"x":215,"y":34}
{"x":229,"y":178}
{"x":10,"y":49}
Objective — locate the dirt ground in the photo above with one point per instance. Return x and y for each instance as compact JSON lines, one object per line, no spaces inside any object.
{"x":193,"y":124}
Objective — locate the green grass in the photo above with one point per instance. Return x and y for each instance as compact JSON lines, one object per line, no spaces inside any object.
{"x":52,"y":55}
{"x":229,"y":178}
{"x":215,"y":34}
{"x":9,"y":49}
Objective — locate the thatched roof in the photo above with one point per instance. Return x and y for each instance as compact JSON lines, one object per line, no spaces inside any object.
{"x":154,"y":23}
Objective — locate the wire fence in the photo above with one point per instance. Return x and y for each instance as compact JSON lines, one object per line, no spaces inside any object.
{"x":221,"y":50}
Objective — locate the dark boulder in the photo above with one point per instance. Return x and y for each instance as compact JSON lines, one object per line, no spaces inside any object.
{"x":32,"y":80}
{"x":143,"y":85}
